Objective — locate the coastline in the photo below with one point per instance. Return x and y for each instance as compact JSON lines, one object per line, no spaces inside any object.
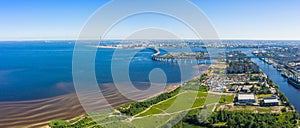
{"x":168,"y":89}
{"x":175,"y":86}
{"x":49,"y":109}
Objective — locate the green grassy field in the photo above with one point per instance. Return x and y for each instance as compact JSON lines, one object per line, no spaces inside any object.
{"x":151,"y":121}
{"x":199,"y":99}
{"x":184,"y":101}
{"x":264,"y":95}
{"x":226,"y":99}
{"x":264,"y":110}
{"x":151,"y":111}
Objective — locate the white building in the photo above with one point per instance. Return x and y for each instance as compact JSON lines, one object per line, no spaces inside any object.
{"x":246,"y":98}
{"x":270,"y":101}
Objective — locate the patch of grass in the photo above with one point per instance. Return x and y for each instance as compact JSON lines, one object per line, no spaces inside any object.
{"x":249,"y":109}
{"x":186,"y":100}
{"x":150,"y":121}
{"x":202,"y":95}
{"x":187,"y":125}
{"x":116,"y":125}
{"x":151,"y":111}
{"x":200,"y":100}
{"x":226,"y":99}
{"x":165,"y":105}
{"x":264,"y":95}
{"x":156,"y":109}
{"x":183,"y":102}
{"x":59,"y":123}
{"x":264,"y":110}
{"x":220,"y":124}
{"x":212,"y":99}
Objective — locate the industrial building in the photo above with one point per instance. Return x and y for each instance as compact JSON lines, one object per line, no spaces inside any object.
{"x":270,"y":101}
{"x":246,"y":99}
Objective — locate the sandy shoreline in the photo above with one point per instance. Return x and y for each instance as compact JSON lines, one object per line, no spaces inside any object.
{"x":38,"y":113}
{"x":168,"y":89}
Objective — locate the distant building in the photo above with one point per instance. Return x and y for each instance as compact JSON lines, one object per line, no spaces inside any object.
{"x":236,"y":68}
{"x":233,"y":88}
{"x":246,"y":98}
{"x":270,"y":101}
{"x":246,"y":88}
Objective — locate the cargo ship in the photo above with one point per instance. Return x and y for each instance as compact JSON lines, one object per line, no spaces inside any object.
{"x":294,"y":81}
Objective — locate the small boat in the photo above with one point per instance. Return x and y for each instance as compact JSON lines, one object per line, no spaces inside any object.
{"x":279,"y":69}
{"x":284,"y":75}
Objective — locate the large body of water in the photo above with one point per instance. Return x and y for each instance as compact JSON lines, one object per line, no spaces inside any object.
{"x":36,"y":70}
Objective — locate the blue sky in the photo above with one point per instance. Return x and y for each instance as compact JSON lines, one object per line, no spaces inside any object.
{"x":233,"y":19}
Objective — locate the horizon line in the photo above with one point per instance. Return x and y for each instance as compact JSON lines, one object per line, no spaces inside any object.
{"x":19,"y":40}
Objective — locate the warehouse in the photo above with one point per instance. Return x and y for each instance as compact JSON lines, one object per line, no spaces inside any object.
{"x":246,"y":98}
{"x":270,"y":101}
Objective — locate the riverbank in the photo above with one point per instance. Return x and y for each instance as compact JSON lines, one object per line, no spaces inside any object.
{"x":289,"y":90}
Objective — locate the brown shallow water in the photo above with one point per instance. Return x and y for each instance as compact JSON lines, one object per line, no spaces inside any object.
{"x":38,"y":113}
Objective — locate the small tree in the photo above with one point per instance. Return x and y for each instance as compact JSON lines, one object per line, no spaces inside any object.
{"x":283,"y":110}
{"x":58,"y":124}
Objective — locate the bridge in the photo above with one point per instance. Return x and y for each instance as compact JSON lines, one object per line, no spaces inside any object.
{"x":199,"y":60}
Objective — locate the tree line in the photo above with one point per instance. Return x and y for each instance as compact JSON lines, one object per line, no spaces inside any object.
{"x":241,"y":119}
